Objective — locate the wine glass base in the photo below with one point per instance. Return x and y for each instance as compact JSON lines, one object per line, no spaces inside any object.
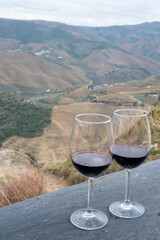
{"x":126,"y":210}
{"x":91,"y":221}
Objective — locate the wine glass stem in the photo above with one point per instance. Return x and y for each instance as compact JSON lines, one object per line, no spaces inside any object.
{"x":128,"y":173}
{"x":90,"y":190}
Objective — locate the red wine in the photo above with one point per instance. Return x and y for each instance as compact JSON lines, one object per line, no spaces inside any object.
{"x":91,"y":164}
{"x":128,"y":156}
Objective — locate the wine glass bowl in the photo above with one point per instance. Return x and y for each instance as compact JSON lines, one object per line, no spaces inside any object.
{"x":132,"y":143}
{"x":91,"y":139}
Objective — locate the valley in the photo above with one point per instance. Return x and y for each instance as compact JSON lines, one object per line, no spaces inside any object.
{"x":52,"y":147}
{"x":50,"y":72}
{"x":50,"y":55}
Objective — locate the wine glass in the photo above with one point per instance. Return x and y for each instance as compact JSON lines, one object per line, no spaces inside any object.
{"x":89,"y":148}
{"x":132,"y":143}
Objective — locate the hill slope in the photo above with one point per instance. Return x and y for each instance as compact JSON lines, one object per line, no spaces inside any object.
{"x":20,"y":70}
{"x":57,"y":55}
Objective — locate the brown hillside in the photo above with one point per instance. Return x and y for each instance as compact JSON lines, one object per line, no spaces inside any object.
{"x":114,"y":56}
{"x":53,"y":146}
{"x":23,"y":68}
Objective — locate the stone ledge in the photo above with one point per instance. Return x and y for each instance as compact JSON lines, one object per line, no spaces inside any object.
{"x":46,"y":217}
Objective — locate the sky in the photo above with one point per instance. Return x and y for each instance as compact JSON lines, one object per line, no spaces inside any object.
{"x":83,"y":12}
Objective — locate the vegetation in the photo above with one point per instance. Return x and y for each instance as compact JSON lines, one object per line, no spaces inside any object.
{"x":92,"y":50}
{"x":21,"y":117}
{"x":29,"y":31}
{"x":81,"y":48}
{"x":66,"y":169}
{"x":122,"y":74}
{"x":20,"y":185}
{"x":155,"y":133}
{"x":70,"y":54}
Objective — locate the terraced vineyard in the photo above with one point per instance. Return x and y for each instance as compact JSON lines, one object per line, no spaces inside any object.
{"x":51,"y":149}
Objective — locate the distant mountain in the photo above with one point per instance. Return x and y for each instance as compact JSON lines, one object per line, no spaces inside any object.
{"x":143,"y":39}
{"x":55,"y":55}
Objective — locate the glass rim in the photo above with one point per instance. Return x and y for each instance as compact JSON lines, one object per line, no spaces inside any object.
{"x":93,"y":114}
{"x":144,"y":113}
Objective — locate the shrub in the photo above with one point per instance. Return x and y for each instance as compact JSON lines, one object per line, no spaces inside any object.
{"x":154,"y":151}
{"x":67,"y":171}
{"x":21,"y":185}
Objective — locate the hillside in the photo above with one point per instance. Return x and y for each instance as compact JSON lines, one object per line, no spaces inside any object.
{"x":142,"y":39}
{"x":55,"y":55}
{"x":59,"y":71}
{"x":114,"y":66}
{"x":53,"y":145}
{"x":22,"y":71}
{"x":21,"y":118}
{"x":51,"y":150}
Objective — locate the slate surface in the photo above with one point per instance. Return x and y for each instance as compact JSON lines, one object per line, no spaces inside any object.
{"x":47,"y":217}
